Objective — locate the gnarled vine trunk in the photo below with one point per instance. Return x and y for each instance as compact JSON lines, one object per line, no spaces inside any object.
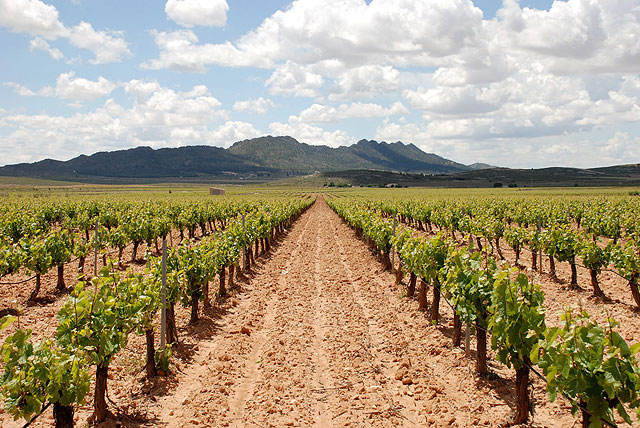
{"x":195,"y":297}
{"x":574,"y":273}
{"x":99,"y":402}
{"x":34,"y":293}
{"x":63,"y":415}
{"x":597,"y":291}
{"x":523,"y":403}
{"x":457,"y":330}
{"x":150,"y":367}
{"x":422,"y":298}
{"x":481,"y":345}
{"x":171,"y":333}
{"x":633,"y":284}
{"x":222,"y":291}
{"x":135,"y":251}
{"x":435,"y":307}
{"x":232,"y":269}
{"x":399,"y":273}
{"x":61,"y":285}
{"x":412,"y":285}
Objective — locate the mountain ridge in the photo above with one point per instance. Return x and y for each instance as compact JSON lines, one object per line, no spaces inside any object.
{"x":267,"y":156}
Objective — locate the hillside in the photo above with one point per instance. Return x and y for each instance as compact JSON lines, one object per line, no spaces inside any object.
{"x":270,"y":157}
{"x":621,"y":175}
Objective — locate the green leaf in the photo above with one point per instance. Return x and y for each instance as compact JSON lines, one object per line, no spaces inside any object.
{"x":6,"y":321}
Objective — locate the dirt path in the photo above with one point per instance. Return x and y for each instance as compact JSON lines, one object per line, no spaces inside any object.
{"x":332,"y":342}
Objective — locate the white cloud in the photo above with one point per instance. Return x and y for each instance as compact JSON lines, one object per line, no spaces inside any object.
{"x":365,"y":82}
{"x":564,"y":150}
{"x":40,"y":44}
{"x":141,"y":89}
{"x":318,"y":113}
{"x":161,"y":118}
{"x":292,"y":79}
{"x":310,"y":134}
{"x":69,"y":87}
{"x":212,"y":13}
{"x":312,"y":31}
{"x":232,"y":131}
{"x":621,"y":146}
{"x":31,"y":17}
{"x":39,"y":19}
{"x":20,"y":90}
{"x":258,"y":106}
{"x":180,"y":50}
{"x":107,"y":46}
{"x":80,"y":90}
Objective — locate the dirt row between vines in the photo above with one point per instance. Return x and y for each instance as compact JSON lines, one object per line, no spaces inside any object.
{"x":318,"y":335}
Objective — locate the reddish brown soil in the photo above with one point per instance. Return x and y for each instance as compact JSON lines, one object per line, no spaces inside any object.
{"x":317,"y":336}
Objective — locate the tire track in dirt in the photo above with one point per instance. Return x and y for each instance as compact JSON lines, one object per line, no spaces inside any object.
{"x":284,"y":393}
{"x":321,"y":361}
{"x":245,"y":390}
{"x":397,"y":407}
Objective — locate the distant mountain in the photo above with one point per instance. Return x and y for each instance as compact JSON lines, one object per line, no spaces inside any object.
{"x":259,"y":157}
{"x":286,"y":153}
{"x":479,"y":165}
{"x":620,"y":175}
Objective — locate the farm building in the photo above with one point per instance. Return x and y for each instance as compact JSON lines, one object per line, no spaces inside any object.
{"x":216,"y":191}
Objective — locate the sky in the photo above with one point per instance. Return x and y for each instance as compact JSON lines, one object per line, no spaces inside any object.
{"x":524,"y":84}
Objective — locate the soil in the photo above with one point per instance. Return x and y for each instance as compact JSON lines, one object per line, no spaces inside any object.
{"x":317,"y":334}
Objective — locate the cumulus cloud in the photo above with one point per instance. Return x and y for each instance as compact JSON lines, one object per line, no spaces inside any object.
{"x":318,"y":113}
{"x":310,"y":134}
{"x":69,"y":87}
{"x":211,"y":13}
{"x":39,"y":44}
{"x":180,"y":50}
{"x":20,"y":90}
{"x":159,"y":117}
{"x":365,"y":82}
{"x":258,"y":106}
{"x":36,"y":18}
{"x":293,"y":79}
{"x":79,"y":90}
{"x":311,"y":31}
{"x":232,"y":131}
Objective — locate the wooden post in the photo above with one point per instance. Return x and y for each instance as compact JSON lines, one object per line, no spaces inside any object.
{"x":95,"y":250}
{"x":393,"y":249}
{"x":539,"y":252}
{"x":467,"y":341}
{"x":163,"y":313}
{"x":244,"y":249}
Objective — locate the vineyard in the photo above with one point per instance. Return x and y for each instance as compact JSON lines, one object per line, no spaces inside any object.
{"x":287,"y":308}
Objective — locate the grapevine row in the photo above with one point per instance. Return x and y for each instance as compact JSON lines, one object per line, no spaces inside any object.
{"x":557,"y":238}
{"x":589,"y":363}
{"x":96,"y":320}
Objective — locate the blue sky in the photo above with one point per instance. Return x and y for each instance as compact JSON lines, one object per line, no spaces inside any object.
{"x":521,"y":84}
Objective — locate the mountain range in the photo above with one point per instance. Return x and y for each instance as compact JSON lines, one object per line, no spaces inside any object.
{"x":366,"y":163}
{"x":271,"y":157}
